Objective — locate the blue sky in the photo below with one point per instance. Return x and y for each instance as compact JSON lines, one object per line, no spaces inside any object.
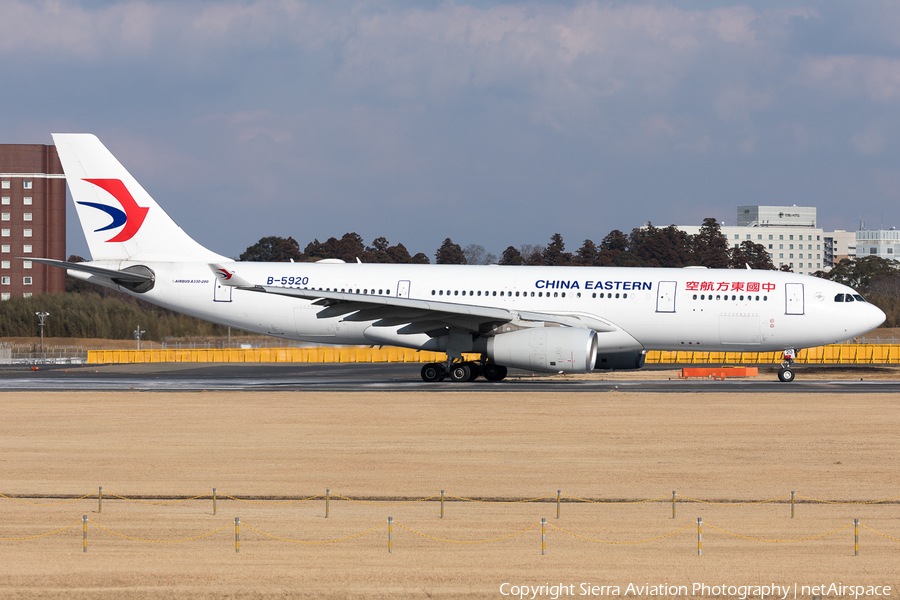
{"x":498,"y":123}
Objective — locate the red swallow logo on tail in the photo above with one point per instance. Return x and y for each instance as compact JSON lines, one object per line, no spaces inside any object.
{"x":132,"y":216}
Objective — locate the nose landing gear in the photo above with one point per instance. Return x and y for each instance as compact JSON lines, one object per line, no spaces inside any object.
{"x":785,"y":373}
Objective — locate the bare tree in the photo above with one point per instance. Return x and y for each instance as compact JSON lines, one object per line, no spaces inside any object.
{"x":527,"y":250}
{"x":476,"y":255}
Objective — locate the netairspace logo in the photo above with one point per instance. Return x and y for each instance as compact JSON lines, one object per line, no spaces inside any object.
{"x":700,"y":590}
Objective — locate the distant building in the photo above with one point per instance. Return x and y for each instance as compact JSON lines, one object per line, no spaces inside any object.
{"x":32,"y":219}
{"x":878,"y":242}
{"x":789,"y":233}
{"x":776,"y":216}
{"x":839,"y":244}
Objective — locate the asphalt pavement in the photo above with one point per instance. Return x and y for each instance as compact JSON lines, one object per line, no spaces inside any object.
{"x":392,"y":377}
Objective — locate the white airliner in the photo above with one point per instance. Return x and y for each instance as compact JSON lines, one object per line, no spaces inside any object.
{"x":547,"y":319}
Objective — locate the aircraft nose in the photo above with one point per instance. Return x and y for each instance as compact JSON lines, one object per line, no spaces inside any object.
{"x":876,"y":316}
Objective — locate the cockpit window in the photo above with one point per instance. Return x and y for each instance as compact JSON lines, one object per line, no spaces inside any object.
{"x":849,"y":298}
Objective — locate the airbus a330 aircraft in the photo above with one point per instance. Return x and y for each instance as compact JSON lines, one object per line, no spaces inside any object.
{"x":548,"y":319}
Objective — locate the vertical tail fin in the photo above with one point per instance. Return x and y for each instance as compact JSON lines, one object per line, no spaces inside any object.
{"x":121,"y":221}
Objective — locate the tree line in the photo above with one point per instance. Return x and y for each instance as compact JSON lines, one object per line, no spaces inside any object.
{"x":90,"y":315}
{"x":349,"y":248}
{"x":644,"y":247}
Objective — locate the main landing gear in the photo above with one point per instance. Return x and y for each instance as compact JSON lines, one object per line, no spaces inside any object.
{"x":462,"y":371}
{"x":785,"y":373}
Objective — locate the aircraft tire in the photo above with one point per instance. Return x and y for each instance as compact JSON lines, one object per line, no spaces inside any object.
{"x":493,"y":372}
{"x":785,"y":375}
{"x":460,"y":372}
{"x":433,"y":372}
{"x":475,"y":370}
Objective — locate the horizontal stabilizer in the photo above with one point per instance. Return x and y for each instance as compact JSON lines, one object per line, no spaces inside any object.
{"x":119,"y":276}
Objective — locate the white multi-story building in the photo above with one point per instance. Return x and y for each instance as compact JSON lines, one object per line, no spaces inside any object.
{"x":878,"y":242}
{"x":789,"y":233}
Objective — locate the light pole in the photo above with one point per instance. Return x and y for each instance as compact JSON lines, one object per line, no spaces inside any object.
{"x":41,"y":316}
{"x":137,"y":336}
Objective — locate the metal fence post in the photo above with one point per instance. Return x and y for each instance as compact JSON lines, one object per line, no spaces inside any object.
{"x":237,"y":534}
{"x":855,"y":537}
{"x":84,"y":531}
{"x":442,"y":504}
{"x":699,"y":536}
{"x":673,"y":504}
{"x":543,"y":536}
{"x":792,"y":504}
{"x":214,"y":500}
{"x":327,"y":493}
{"x":390,"y":535}
{"x":100,"y":500}
{"x":558,"y":494}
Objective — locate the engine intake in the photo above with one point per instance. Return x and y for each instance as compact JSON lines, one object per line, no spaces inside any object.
{"x":546,"y":349}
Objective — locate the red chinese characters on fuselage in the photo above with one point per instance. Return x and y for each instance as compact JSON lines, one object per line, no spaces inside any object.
{"x":729,"y":286}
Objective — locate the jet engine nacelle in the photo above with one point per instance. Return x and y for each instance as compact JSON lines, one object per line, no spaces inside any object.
{"x":546,"y":349}
{"x":616,"y":361}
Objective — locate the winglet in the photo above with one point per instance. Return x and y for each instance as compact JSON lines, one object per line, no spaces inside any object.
{"x":228,"y":277}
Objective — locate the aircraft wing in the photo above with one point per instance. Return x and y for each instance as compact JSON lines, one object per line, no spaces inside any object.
{"x":416,"y":315}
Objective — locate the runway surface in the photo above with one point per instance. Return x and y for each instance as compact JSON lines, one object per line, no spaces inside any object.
{"x":390,"y":378}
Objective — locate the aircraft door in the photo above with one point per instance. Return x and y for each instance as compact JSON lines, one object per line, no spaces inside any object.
{"x":403,"y":289}
{"x":793,"y":299}
{"x":665,"y":297}
{"x":221,"y":293}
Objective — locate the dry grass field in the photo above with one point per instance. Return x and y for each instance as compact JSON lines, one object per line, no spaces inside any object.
{"x":388,"y":447}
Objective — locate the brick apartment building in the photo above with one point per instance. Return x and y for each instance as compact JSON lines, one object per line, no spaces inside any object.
{"x":32,"y":219}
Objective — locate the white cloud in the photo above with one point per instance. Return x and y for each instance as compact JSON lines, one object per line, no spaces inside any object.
{"x":492,"y":109}
{"x":875,"y":78}
{"x":565,"y":62}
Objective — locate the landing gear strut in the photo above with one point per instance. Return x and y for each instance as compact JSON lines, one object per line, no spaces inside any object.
{"x":785,"y":373}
